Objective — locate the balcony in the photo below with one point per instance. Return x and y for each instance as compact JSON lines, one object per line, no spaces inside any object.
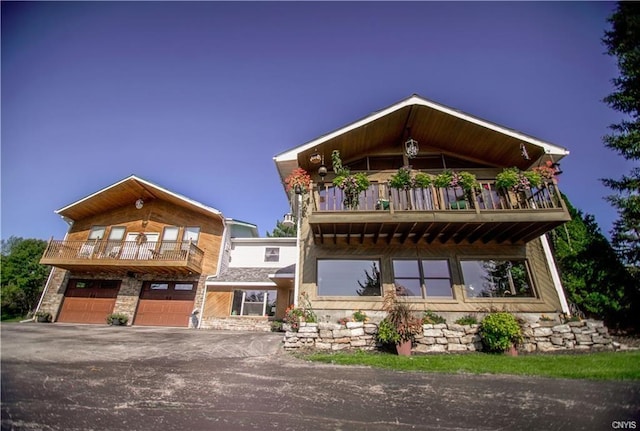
{"x":162,"y":257}
{"x":441,"y":215}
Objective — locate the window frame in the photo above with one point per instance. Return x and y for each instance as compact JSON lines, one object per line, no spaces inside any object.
{"x":376,"y":261}
{"x":422,"y":278}
{"x":535,"y":295}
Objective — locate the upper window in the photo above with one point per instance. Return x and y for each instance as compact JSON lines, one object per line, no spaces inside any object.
{"x":422,"y":278}
{"x":191,"y":233}
{"x":497,"y":278}
{"x":97,"y":232}
{"x":349,"y":277}
{"x":272,"y":254}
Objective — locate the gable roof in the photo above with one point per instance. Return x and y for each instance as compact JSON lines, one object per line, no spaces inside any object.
{"x":126,"y":191}
{"x":438,"y":126}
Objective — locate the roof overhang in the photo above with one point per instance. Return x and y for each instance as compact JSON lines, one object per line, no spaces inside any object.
{"x":436,"y":127}
{"x":128,"y":191}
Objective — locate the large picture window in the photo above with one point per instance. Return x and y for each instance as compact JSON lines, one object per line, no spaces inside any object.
{"x":422,"y":278}
{"x":497,"y":279}
{"x":349,"y":277}
{"x":253,"y":303}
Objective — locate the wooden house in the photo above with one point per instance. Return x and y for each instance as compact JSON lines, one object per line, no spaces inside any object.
{"x":445,"y":246}
{"x":133,"y":248}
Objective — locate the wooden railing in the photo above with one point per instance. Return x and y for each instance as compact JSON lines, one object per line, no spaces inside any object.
{"x":379,"y":196}
{"x":125,"y":251}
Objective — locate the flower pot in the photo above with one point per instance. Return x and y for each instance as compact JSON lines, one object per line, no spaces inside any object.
{"x":511,"y":351}
{"x":404,"y":348}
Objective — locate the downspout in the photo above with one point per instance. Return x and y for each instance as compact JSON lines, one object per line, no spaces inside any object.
{"x":555,"y":276}
{"x":220,"y":257}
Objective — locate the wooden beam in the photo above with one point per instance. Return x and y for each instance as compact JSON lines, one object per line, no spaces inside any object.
{"x":406,"y":233}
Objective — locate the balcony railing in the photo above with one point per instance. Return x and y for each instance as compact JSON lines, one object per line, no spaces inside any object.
{"x":106,"y":253}
{"x":379,"y":196}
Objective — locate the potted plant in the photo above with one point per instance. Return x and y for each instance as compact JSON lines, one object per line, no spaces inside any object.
{"x":400,"y":326}
{"x":117,"y":319}
{"x":500,"y":332}
{"x":401,"y":180}
{"x":421,"y":180}
{"x":351,"y":184}
{"x":299,"y":181}
{"x":43,"y":317}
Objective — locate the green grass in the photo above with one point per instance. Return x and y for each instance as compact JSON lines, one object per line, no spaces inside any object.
{"x":592,"y":366}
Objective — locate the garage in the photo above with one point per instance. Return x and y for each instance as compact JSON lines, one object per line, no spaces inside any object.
{"x":88,"y":301}
{"x":165,"y":303}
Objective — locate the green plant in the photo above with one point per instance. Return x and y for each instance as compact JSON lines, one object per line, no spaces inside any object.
{"x":545,"y":318}
{"x":304,"y":312}
{"x":517,"y":180}
{"x":499,"y":331}
{"x":508,"y":178}
{"x":401,"y":179}
{"x":465,"y":180}
{"x":421,"y":180}
{"x":430,"y":317}
{"x":299,"y":180}
{"x":351,"y":184}
{"x":401,"y":318}
{"x":43,"y":316}
{"x":387,"y":333}
{"x":276,"y":326}
{"x":469,"y":319}
{"x":117,"y":319}
{"x":360,"y":316}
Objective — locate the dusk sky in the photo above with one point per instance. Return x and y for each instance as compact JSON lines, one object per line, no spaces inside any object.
{"x":197,"y":97}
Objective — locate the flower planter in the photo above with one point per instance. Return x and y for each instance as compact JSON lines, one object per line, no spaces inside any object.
{"x":404,"y":348}
{"x":511,"y":351}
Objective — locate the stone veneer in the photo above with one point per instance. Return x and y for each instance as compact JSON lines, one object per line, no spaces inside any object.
{"x":237,"y":323}
{"x":538,"y":337}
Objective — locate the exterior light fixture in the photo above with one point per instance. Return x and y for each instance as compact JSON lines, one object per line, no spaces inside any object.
{"x":288,"y":220}
{"x":411,"y":148}
{"x":139,"y":204}
{"x":523,"y":151}
{"x":322,"y":171}
{"x":315,"y":158}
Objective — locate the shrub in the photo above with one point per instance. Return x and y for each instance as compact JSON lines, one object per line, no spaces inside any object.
{"x":117,"y":319}
{"x":276,"y":326}
{"x":430,"y":317}
{"x":401,"y":318}
{"x":43,"y":316}
{"x":421,"y":180}
{"x":469,"y":319}
{"x":499,"y":331}
{"x":387,"y":333}
{"x":401,"y":179}
{"x":360,"y":316}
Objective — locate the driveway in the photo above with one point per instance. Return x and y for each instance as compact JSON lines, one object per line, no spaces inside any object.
{"x":73,"y":377}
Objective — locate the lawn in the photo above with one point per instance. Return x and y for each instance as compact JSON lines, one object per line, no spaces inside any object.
{"x":592,"y":366}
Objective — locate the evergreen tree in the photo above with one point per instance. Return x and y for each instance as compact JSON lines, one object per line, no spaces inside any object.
{"x":23,"y":278}
{"x":283,"y":231}
{"x":623,"y":42}
{"x":592,"y":274}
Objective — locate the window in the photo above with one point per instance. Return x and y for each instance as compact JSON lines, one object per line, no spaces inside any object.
{"x":422,"y":278}
{"x":253,"y":303}
{"x":497,"y":278}
{"x":348,"y":277}
{"x":97,"y":232}
{"x":191,"y":234}
{"x":183,"y":286}
{"x":159,"y":286}
{"x":272,"y":254}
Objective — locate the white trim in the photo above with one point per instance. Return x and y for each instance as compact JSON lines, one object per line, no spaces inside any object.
{"x":296,"y":280}
{"x":148,"y":184}
{"x":417,"y":100}
{"x":555,"y":276}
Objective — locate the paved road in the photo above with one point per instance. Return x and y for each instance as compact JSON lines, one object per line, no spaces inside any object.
{"x":66,"y":377}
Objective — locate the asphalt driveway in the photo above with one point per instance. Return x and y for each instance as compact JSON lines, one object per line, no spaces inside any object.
{"x":73,"y":377}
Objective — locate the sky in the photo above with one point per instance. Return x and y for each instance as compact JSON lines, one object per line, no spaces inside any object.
{"x":198,"y":97}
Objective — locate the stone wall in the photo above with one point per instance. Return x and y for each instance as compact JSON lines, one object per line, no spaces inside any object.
{"x":441,"y":338}
{"x":237,"y":323}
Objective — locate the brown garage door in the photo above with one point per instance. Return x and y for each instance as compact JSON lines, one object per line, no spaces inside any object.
{"x":89,"y":301}
{"x":165,"y":304}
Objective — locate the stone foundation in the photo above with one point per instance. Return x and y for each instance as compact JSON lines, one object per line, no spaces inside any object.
{"x":233,"y":323}
{"x":538,"y":337}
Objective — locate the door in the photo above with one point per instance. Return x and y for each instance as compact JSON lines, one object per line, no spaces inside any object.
{"x":165,"y":304}
{"x":89,"y":301}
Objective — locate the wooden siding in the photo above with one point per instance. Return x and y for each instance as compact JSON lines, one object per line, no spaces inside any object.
{"x":217,"y":303}
{"x":152,"y":218}
{"x":546,"y":299}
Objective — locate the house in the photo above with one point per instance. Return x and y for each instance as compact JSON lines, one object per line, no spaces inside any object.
{"x":254,"y":287}
{"x":447,"y":246}
{"x":133,"y":248}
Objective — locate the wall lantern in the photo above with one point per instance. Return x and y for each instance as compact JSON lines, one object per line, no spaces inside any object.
{"x":288,"y":220}
{"x":411,"y":148}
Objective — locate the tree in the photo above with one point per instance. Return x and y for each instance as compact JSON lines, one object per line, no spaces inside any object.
{"x":23,"y":278}
{"x":371,"y":287}
{"x":592,"y":274}
{"x":623,"y":42}
{"x":281,"y":230}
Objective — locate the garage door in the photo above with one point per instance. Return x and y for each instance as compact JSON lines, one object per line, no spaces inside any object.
{"x":89,"y":301}
{"x":165,"y":304}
